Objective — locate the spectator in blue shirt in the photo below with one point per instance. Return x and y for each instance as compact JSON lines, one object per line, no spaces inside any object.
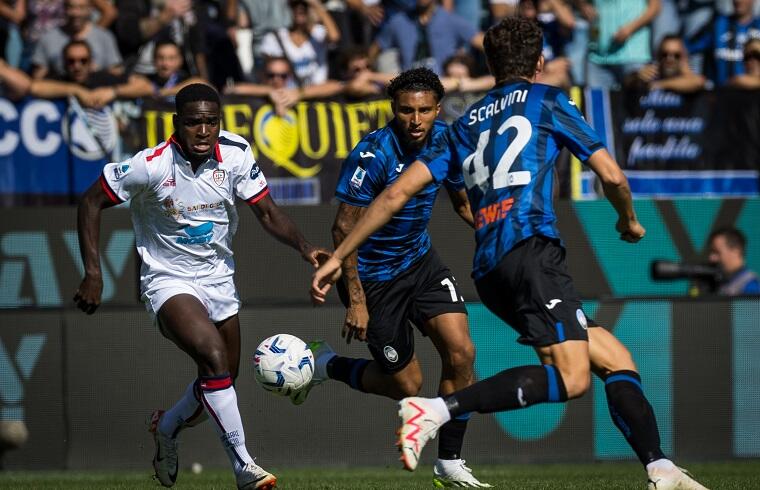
{"x":727,"y":251}
{"x":722,"y":42}
{"x":426,"y":37}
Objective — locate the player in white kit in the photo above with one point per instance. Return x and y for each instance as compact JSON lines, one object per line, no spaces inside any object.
{"x":182,"y":196}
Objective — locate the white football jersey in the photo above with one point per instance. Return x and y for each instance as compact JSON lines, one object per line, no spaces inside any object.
{"x":184,"y":221}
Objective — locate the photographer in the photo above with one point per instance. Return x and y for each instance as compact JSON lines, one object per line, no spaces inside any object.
{"x":727,"y":248}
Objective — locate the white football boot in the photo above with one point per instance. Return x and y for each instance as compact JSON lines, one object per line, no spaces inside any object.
{"x":322,"y":353}
{"x":166,"y":459}
{"x":419,"y":423}
{"x":254,"y":476}
{"x":674,"y":478}
{"x":454,"y":473}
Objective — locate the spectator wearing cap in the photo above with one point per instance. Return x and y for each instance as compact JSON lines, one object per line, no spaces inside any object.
{"x":305,"y":43}
{"x":671,"y":70}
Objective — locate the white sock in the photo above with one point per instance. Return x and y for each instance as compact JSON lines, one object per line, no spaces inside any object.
{"x":439,"y":406}
{"x":661,"y":464}
{"x":220,"y":400}
{"x":447,"y":465}
{"x":187,"y":412}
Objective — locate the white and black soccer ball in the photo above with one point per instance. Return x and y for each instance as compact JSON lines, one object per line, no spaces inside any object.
{"x":283,"y":364}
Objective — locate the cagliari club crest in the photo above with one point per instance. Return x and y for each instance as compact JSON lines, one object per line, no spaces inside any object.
{"x":219,"y":176}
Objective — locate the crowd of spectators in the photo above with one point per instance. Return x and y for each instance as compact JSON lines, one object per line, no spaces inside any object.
{"x":291,"y":50}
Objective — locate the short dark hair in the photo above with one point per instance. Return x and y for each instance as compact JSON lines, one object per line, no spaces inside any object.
{"x":165,"y":43}
{"x":667,"y":38}
{"x":513,"y":47}
{"x":416,"y":80}
{"x":734,"y":238}
{"x":196,"y":92}
{"x":462,"y":58}
{"x":77,"y":42}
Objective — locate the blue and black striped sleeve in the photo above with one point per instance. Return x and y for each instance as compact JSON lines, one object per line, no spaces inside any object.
{"x":440,"y":157}
{"x":572,"y":131}
{"x":362,"y":176}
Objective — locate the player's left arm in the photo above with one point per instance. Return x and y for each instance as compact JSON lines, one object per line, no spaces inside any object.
{"x":572,"y":131}
{"x":382,"y":209}
{"x":618,"y":192}
{"x":280,"y":226}
{"x":461,"y":205}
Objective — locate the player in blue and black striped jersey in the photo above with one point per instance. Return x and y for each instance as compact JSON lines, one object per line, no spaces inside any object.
{"x":397,"y":277}
{"x":505,"y":147}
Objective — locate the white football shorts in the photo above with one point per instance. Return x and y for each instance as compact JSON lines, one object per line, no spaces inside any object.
{"x":221,"y":299}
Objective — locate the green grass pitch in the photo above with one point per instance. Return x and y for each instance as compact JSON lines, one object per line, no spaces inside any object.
{"x":739,"y":475}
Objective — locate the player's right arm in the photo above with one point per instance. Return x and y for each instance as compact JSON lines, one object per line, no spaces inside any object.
{"x":119,"y":182}
{"x":432,"y":166}
{"x":382,"y":209}
{"x":87,"y":296}
{"x":357,"y":316}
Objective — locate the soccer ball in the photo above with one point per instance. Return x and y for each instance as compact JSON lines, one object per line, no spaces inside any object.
{"x":283,"y":364}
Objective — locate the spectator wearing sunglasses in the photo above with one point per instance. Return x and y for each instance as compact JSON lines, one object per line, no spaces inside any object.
{"x":280,"y":87}
{"x":92,"y":87}
{"x":750,"y":79}
{"x":670,"y":71}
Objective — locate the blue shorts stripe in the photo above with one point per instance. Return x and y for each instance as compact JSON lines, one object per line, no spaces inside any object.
{"x":551,"y":375}
{"x":357,"y":367}
{"x":464,"y":416}
{"x":623,"y":377}
{"x":560,"y":331}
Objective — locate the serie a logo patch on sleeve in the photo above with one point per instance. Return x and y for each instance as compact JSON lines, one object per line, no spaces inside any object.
{"x":358,"y":177}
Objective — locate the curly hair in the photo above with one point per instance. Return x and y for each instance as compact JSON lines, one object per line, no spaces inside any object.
{"x":416,"y":80}
{"x":513,"y":47}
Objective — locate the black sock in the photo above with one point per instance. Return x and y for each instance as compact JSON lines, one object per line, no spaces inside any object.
{"x":451,"y":437}
{"x":510,"y":389}
{"x":633,"y":415}
{"x":348,"y":370}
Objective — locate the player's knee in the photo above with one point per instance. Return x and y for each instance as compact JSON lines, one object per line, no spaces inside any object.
{"x":460,"y":360}
{"x":409,"y":384}
{"x":212,"y":360}
{"x":577,"y":381}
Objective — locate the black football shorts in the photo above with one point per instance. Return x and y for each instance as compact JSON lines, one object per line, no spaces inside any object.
{"x":425,"y":290}
{"x":531,"y":291}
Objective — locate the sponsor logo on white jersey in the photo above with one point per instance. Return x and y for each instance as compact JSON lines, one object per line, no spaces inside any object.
{"x":219,"y":175}
{"x":121,"y":170}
